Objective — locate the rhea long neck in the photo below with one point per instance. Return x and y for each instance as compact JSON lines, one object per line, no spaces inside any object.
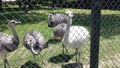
{"x":66,"y":36}
{"x":16,"y":39}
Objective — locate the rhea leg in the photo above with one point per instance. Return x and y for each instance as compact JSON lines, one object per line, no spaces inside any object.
{"x":77,"y":55}
{"x":64,"y":47}
{"x":6,"y":63}
{"x":42,"y":59}
{"x":34,"y":58}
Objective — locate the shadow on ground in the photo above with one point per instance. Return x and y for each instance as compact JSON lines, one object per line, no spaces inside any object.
{"x":61,"y":58}
{"x":53,"y":41}
{"x":73,"y":65}
{"x":30,"y":64}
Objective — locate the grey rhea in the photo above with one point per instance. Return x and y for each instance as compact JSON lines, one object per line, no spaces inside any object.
{"x":55,"y":19}
{"x":34,"y":41}
{"x":8,"y":43}
{"x":59,"y":30}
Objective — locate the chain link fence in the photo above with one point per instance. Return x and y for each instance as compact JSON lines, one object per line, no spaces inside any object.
{"x":35,"y":15}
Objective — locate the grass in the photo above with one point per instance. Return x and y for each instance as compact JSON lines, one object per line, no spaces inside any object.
{"x":37,"y":20}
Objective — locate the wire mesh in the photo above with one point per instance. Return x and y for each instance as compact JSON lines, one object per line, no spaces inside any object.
{"x":34,"y":15}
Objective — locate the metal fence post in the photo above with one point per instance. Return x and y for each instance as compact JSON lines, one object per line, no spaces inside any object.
{"x":95,"y":33}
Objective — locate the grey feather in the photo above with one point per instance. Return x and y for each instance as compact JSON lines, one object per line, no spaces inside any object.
{"x":7,"y":42}
{"x":59,"y":30}
{"x":55,"y":19}
{"x":36,"y":39}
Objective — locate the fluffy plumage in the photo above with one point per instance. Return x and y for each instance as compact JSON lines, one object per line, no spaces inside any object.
{"x":59,"y":30}
{"x":34,"y":41}
{"x":55,"y":19}
{"x":75,"y":36}
{"x":8,"y":43}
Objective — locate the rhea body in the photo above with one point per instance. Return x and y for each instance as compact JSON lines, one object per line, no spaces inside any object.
{"x":34,"y":41}
{"x":75,"y":36}
{"x":59,"y":31}
{"x":8,"y":43}
{"x":55,"y":19}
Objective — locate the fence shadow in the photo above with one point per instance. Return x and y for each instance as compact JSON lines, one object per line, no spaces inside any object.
{"x":61,"y":58}
{"x":30,"y":64}
{"x":73,"y":65}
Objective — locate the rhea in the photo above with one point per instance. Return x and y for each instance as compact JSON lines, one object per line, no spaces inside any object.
{"x":34,"y":41}
{"x":8,"y":43}
{"x":75,"y":36}
{"x":55,"y":19}
{"x":59,"y":31}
